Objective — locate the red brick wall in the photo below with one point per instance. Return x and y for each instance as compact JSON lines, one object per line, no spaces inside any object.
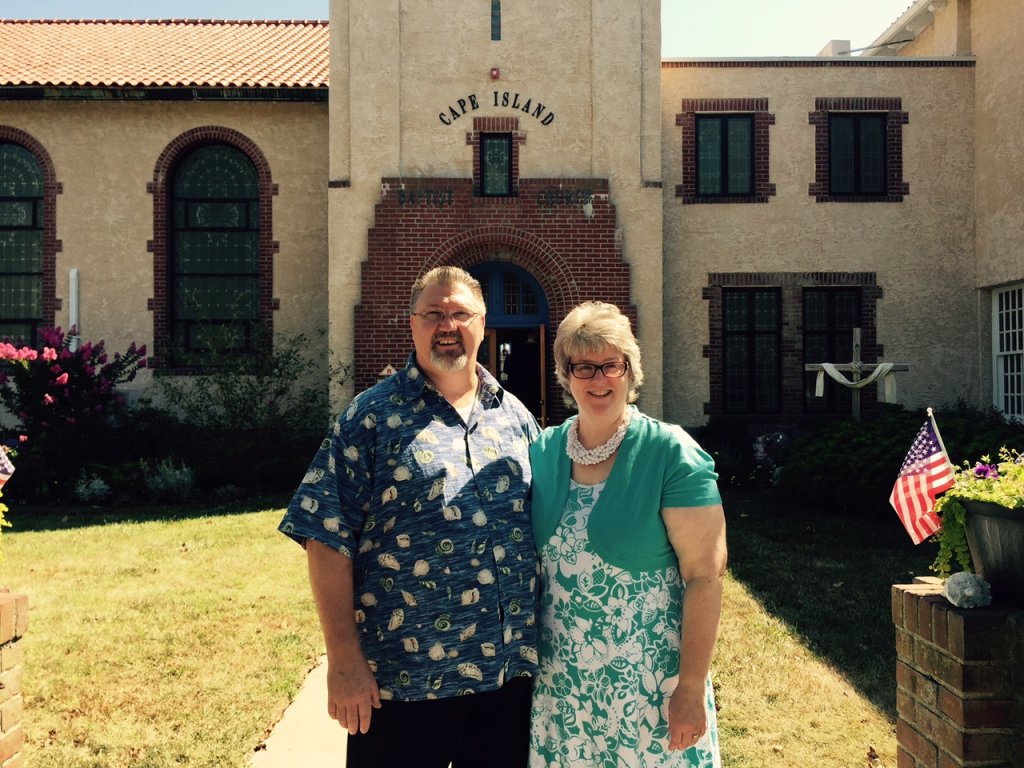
{"x":13,"y":626}
{"x":426,"y":222}
{"x":959,"y":681}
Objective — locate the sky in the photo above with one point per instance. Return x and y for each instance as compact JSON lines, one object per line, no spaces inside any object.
{"x":690,"y":28}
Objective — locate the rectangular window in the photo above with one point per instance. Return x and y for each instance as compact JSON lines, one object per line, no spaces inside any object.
{"x":752,"y":352}
{"x":725,"y":155}
{"x":856,"y":154}
{"x":495,"y":19}
{"x":496,"y":164}
{"x":1008,"y":350}
{"x":830,"y":315}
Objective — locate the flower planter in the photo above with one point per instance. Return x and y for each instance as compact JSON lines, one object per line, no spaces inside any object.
{"x":995,"y":536}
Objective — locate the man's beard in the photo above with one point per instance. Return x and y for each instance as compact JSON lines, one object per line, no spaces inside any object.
{"x":449,"y":362}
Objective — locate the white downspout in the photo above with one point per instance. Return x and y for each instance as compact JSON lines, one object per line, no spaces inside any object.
{"x":73,"y":308}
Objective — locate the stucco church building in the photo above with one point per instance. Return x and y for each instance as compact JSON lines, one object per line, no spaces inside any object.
{"x":210,"y":186}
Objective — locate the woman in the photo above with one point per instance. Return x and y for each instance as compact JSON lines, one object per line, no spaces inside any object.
{"x":631,"y":534}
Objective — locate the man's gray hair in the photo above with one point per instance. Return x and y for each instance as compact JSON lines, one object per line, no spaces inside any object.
{"x":446,"y":277}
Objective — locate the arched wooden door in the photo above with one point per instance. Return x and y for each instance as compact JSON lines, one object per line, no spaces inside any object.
{"x":515,"y":345}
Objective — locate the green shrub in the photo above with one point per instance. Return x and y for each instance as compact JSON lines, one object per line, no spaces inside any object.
{"x":252,"y":421}
{"x":170,"y":481}
{"x":853,"y":464}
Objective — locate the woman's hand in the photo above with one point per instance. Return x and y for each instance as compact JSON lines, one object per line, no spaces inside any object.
{"x":697,"y":535}
{"x":687,"y":721}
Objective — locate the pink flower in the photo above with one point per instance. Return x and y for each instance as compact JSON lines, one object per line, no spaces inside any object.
{"x":49,"y":353}
{"x":22,"y":438}
{"x":47,"y":400}
{"x":62,"y":379}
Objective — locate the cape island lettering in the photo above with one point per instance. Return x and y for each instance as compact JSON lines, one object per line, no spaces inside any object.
{"x":501,"y":99}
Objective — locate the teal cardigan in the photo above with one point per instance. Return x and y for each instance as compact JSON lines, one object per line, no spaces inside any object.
{"x":658,"y":465}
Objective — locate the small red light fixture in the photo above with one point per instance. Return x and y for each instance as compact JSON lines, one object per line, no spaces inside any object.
{"x":495,"y":73}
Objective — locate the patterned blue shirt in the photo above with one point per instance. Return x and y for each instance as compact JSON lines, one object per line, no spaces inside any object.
{"x":436,"y":516}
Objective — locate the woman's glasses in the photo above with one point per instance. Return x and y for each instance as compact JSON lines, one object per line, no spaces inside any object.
{"x":612,"y":370}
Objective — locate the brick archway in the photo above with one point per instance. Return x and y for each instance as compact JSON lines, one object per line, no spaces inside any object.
{"x":561,"y":231}
{"x":521,"y":248}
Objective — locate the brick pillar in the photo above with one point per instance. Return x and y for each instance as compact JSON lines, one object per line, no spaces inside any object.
{"x":959,"y":681}
{"x":13,"y":625}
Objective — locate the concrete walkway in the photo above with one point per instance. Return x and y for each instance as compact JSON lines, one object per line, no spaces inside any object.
{"x":306,"y":737}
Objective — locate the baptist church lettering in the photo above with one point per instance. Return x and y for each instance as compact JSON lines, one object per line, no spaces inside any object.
{"x":501,"y":100}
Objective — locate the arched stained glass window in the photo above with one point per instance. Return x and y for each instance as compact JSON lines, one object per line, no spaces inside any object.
{"x":214,"y":255}
{"x":21,"y":243}
{"x":513,"y":296}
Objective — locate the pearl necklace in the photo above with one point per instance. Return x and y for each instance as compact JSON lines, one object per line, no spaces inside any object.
{"x":574,"y":448}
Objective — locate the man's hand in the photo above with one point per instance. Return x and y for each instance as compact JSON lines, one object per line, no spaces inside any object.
{"x":352,"y":693}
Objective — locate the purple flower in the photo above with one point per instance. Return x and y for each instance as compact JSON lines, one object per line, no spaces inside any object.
{"x":986,"y":471}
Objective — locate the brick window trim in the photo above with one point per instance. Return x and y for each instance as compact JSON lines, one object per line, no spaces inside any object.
{"x":495,"y":125}
{"x":51,"y":245}
{"x":895,"y":119}
{"x":687,"y":120}
{"x":159,"y":187}
{"x":792,"y":285}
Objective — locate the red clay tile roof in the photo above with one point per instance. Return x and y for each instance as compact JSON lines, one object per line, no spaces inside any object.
{"x":174,"y":53}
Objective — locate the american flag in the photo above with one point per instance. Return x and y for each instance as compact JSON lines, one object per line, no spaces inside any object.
{"x":926,"y":471}
{"x":6,"y":468}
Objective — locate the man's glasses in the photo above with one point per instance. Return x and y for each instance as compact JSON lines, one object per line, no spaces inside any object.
{"x":613,"y":370}
{"x":434,"y":317}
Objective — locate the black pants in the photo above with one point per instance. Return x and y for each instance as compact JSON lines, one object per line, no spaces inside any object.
{"x":482,"y":730}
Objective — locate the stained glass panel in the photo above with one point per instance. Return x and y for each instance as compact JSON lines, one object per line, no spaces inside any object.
{"x":709,"y":156}
{"x":841,"y":162}
{"x":752,"y":364}
{"x":741,"y":153}
{"x":496,"y":164}
{"x":215,"y":264}
{"x":21,"y":243}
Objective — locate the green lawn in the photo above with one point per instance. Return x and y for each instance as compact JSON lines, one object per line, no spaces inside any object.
{"x":163,"y":642}
{"x":177,"y":638}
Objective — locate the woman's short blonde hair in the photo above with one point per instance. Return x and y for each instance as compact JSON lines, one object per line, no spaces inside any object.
{"x":585,"y":331}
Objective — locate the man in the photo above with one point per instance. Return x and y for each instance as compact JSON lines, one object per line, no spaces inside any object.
{"x":416,"y":522}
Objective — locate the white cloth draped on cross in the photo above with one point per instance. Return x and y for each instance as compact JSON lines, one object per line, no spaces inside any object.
{"x":881,"y":371}
{"x":857,"y":368}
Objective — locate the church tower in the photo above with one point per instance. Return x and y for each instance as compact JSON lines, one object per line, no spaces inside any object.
{"x":517,"y":139}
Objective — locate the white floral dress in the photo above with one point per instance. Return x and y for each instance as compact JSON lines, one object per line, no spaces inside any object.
{"x":609,"y":654}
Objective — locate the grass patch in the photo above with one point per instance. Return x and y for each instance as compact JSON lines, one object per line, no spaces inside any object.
{"x":806,"y":661}
{"x":171,"y":639}
{"x":163,"y":642}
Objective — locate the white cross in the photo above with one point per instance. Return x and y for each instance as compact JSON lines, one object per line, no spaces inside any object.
{"x":856,"y":367}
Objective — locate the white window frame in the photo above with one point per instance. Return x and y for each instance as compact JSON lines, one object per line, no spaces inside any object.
{"x":1008,"y":350}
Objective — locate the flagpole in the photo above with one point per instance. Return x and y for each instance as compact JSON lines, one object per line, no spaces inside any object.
{"x":938,"y":435}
